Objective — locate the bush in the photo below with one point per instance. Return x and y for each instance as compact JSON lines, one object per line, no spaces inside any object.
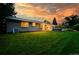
{"x":76,"y":27}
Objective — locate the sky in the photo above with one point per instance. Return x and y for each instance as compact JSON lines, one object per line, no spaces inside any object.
{"x":47,"y":10}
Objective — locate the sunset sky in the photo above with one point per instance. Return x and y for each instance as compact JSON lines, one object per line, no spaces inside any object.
{"x":47,"y":10}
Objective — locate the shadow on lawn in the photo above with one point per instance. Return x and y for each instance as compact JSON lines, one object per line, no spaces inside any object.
{"x":3,"y":44}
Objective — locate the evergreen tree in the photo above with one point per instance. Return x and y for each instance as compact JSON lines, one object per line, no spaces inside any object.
{"x":54,"y":21}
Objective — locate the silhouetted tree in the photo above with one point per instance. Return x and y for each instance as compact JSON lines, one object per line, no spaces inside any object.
{"x":54,"y":21}
{"x":6,"y":9}
{"x":71,"y":21}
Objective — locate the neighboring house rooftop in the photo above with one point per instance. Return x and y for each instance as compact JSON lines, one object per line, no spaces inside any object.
{"x":24,"y":19}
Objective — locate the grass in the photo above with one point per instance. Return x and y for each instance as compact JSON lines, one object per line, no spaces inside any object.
{"x":40,"y":43}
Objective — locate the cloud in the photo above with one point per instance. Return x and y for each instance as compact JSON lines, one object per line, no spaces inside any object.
{"x":28,"y":9}
{"x":47,"y":10}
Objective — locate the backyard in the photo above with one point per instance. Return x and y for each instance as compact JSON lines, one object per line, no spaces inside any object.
{"x":40,"y":43}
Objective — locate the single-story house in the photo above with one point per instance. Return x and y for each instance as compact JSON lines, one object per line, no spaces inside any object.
{"x":15,"y":24}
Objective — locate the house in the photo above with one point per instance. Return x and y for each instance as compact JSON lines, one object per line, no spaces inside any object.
{"x":46,"y":26}
{"x":15,"y":24}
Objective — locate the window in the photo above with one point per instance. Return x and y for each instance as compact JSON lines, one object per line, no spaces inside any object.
{"x":24,"y":24}
{"x":33,"y":24}
{"x":37,"y":24}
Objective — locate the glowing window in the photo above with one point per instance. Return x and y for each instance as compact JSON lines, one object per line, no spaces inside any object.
{"x":24,"y":24}
{"x":33,"y":24}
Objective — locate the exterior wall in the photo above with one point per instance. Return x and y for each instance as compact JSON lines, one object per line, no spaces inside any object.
{"x":12,"y":25}
{"x":43,"y":26}
{"x":46,"y":27}
{"x":15,"y":26}
{"x":49,"y":27}
{"x":29,"y":29}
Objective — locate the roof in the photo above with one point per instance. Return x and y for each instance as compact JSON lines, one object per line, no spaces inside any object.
{"x":24,"y":19}
{"x":47,"y":22}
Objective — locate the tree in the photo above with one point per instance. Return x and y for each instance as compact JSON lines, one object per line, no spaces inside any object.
{"x":76,"y":27}
{"x":54,"y":21}
{"x":6,"y":9}
{"x":72,"y":22}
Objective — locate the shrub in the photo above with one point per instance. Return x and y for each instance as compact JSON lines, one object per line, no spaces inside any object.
{"x":76,"y":27}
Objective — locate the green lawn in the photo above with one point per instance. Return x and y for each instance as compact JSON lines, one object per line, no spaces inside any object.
{"x":40,"y":43}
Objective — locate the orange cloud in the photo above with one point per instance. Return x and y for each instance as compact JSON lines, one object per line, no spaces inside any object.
{"x":29,"y":10}
{"x":64,"y":13}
